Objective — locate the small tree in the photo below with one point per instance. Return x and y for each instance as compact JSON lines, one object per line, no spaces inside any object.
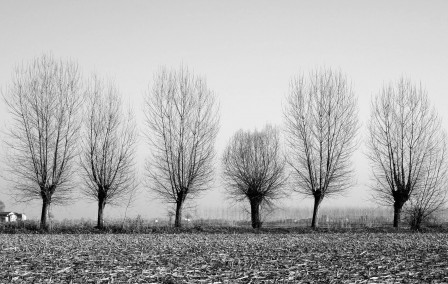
{"x":407,"y":149}
{"x":321,"y":126}
{"x":2,"y":206}
{"x":44,"y":99}
{"x":254,"y":169}
{"x":429,"y":197}
{"x":109,"y":144}
{"x":182,"y":120}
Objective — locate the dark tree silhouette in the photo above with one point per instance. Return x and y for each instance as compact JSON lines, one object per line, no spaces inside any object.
{"x":109,"y":143}
{"x":2,"y":206}
{"x":321,"y":126}
{"x":253,"y":169}
{"x":182,"y":120}
{"x":407,"y":150}
{"x":43,"y":99}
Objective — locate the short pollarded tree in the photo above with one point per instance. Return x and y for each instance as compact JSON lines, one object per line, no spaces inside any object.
{"x":321,"y":126}
{"x":254,"y":169}
{"x":108,"y":148}
{"x":407,"y":150}
{"x":182,"y":119}
{"x":430,"y":195}
{"x":44,"y":100}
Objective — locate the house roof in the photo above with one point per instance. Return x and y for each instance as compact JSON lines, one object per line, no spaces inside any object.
{"x":7,"y":213}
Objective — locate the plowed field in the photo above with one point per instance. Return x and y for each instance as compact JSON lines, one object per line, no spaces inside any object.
{"x":225,"y":258}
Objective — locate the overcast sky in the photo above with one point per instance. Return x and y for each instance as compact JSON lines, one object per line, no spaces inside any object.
{"x":247,"y":50}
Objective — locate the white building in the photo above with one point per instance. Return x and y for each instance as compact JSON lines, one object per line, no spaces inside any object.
{"x":12,"y":216}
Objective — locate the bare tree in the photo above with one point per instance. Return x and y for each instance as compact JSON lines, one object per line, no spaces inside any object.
{"x":43,"y":99}
{"x":406,"y":149}
{"x":321,"y":126}
{"x":430,"y":194}
{"x":109,"y":145}
{"x":253,"y":169}
{"x":182,"y":120}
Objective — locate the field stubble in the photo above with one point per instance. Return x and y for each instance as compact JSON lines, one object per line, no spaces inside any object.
{"x":225,"y":258}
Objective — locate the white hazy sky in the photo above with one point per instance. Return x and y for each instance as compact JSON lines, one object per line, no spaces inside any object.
{"x":247,"y":50}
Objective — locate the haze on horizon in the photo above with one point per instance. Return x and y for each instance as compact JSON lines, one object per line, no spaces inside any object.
{"x":247,"y":51}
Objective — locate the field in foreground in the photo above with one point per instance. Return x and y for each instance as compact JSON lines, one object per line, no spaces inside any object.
{"x":225,"y":258}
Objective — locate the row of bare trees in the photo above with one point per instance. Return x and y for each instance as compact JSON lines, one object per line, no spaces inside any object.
{"x":406,"y":145}
{"x":61,"y":123}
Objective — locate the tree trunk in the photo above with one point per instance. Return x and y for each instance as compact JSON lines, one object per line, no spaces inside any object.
{"x":178,"y":217}
{"x":397,"y":213}
{"x":418,"y":223}
{"x":416,"y":218}
{"x":100,"y":220}
{"x":255,"y":214}
{"x":44,"y":215}
{"x":314,"y":222}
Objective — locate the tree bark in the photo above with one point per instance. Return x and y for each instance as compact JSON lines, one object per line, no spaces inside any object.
{"x":397,"y":213}
{"x":100,"y":220}
{"x":178,"y":217}
{"x":44,"y":215}
{"x":255,"y":214}
{"x":317,"y":201}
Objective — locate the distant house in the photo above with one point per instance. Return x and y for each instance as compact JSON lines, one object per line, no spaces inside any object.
{"x":12,"y":217}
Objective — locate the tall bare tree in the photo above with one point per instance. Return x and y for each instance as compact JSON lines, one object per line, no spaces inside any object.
{"x":254,"y":169}
{"x":109,"y":145}
{"x":321,"y":126}
{"x":406,"y":148}
{"x":182,"y":120}
{"x":43,"y":99}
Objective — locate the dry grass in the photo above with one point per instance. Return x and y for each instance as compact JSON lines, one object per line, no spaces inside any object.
{"x":140,"y":226}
